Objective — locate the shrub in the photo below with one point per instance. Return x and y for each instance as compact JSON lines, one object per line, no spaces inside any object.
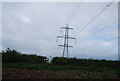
{"x":59,"y":60}
{"x":13,"y":56}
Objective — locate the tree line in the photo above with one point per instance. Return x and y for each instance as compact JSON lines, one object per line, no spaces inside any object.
{"x":85,"y":62}
{"x":13,"y":56}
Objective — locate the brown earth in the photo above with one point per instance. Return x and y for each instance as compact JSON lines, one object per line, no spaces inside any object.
{"x":51,"y":74}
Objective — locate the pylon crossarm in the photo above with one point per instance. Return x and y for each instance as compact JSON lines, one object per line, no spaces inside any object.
{"x":65,"y":46}
{"x":70,"y":28}
{"x":64,"y":37}
{"x":60,"y":37}
{"x":71,"y":38}
{"x":66,"y":28}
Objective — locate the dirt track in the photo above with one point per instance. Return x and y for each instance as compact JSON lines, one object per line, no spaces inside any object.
{"x":50,"y":74}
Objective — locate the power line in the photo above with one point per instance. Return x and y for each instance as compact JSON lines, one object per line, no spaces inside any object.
{"x":70,"y":14}
{"x":99,"y":30}
{"x":70,"y":17}
{"x":110,"y":3}
{"x":103,"y":9}
{"x":92,"y":19}
{"x":66,"y":37}
{"x":98,"y":43}
{"x":100,"y":7}
{"x":73,"y":12}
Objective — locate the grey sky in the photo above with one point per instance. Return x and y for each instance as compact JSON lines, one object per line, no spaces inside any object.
{"x":33,"y":27}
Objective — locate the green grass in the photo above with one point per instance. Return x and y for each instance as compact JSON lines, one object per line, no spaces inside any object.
{"x":57,"y":67}
{"x":97,"y":71}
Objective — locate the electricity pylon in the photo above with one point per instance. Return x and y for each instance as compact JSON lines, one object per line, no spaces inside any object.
{"x":66,"y":38}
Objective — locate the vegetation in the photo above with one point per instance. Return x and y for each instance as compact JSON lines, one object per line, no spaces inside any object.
{"x":15,"y":59}
{"x":13,"y":56}
{"x":85,"y":62}
{"x":58,"y":68}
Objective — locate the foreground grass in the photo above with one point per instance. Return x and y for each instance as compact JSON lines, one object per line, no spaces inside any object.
{"x":61,"y":71}
{"x":57,"y":67}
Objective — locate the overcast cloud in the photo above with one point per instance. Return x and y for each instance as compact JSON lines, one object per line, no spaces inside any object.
{"x":33,"y":27}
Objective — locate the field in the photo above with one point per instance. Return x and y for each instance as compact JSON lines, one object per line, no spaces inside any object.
{"x":50,"y":71}
{"x":23,"y":66}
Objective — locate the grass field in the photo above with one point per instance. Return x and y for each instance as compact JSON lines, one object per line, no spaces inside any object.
{"x":48,"y":66}
{"x":57,"y":71}
{"x":23,"y":66}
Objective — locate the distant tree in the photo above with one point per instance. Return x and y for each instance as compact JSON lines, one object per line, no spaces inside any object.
{"x":84,"y":62}
{"x":14,"y":56}
{"x":59,"y":60}
{"x":10,"y":55}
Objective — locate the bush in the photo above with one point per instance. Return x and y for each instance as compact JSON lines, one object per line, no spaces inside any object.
{"x":84,"y":62}
{"x":59,"y":60}
{"x":13,"y":56}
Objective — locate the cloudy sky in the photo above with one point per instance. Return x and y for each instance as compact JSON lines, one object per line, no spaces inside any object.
{"x":33,"y":27}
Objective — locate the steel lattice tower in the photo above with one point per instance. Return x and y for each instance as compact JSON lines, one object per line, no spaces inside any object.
{"x":66,"y":40}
